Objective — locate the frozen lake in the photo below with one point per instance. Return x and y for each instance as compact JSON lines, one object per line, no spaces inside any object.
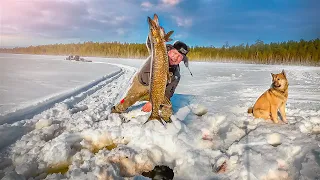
{"x":26,"y":79}
{"x":66,"y":135}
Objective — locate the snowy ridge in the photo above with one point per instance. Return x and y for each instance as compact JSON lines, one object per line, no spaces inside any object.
{"x":32,"y":110}
{"x":64,"y":124}
{"x":11,"y":132}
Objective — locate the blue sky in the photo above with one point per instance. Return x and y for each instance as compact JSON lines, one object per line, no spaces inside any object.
{"x":198,"y":22}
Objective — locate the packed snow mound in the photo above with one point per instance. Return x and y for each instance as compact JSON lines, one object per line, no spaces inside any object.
{"x":132,"y":147}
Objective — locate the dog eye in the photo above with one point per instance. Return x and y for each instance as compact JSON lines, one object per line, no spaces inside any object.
{"x":278,"y":79}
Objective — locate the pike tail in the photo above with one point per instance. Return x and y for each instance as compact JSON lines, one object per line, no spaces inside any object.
{"x":153,"y":117}
{"x":250,"y":110}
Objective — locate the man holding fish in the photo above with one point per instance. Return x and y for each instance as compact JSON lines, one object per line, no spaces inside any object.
{"x":159,"y":76}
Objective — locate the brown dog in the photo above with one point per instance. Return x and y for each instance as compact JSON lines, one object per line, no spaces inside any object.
{"x":273,"y":99}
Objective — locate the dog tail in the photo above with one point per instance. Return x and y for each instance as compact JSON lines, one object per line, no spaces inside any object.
{"x":250,"y":110}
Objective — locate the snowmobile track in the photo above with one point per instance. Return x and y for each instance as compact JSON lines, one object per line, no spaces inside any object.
{"x":84,"y":91}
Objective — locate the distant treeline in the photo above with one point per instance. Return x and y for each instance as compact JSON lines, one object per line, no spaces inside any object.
{"x":290,"y":52}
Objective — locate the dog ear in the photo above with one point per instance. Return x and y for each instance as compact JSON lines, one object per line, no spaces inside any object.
{"x":283,"y":73}
{"x":273,"y":75}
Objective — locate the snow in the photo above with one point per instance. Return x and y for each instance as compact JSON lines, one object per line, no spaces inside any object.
{"x":77,"y":137}
{"x":43,"y":123}
{"x":198,"y":109}
{"x":26,"y":81}
{"x":274,"y":139}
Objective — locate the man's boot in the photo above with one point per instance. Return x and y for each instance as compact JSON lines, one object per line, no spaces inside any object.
{"x":114,"y":110}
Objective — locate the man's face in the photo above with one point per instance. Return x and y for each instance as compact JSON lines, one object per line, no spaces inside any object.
{"x":174,"y":57}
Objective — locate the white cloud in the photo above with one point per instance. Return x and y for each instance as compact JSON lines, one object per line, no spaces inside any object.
{"x":113,"y":21}
{"x":49,"y":21}
{"x":183,"y":22}
{"x":180,"y":36}
{"x":171,"y":2}
{"x":146,"y":4}
{"x":177,"y":36}
{"x":160,"y":5}
{"x":121,"y":31}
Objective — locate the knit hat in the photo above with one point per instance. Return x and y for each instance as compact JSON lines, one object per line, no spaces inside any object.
{"x":183,"y":49}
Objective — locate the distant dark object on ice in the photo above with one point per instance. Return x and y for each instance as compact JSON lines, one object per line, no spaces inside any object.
{"x":77,"y":58}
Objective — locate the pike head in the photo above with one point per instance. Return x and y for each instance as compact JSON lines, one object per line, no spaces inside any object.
{"x":158,"y":34}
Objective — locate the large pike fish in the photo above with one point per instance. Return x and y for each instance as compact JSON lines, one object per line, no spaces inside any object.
{"x":159,"y":72}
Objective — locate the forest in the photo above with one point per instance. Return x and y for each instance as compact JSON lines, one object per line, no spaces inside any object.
{"x":290,"y":52}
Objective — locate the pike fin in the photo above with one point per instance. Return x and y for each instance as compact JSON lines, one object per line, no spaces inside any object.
{"x":149,"y":43}
{"x":167,"y":36}
{"x":167,"y":106}
{"x":152,"y":23}
{"x":156,"y":19}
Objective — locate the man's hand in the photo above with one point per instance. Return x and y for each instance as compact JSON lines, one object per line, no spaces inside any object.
{"x":147,"y":107}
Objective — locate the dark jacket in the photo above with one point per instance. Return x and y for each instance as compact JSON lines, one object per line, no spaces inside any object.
{"x":144,"y":75}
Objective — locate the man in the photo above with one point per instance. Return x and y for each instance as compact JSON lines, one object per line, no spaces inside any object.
{"x":139,"y":90}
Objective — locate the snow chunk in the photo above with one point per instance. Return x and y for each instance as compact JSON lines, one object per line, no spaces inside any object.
{"x":306,"y":127}
{"x":274,"y":139}
{"x":310,"y":126}
{"x":54,"y":177}
{"x":232,"y":163}
{"x":275,"y":174}
{"x":13,"y":176}
{"x":27,"y":169}
{"x":59,"y":150}
{"x":315,"y":120}
{"x":198,"y":109}
{"x":43,"y":123}
{"x":95,"y":140}
{"x":86,"y":166}
{"x":78,"y":109}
